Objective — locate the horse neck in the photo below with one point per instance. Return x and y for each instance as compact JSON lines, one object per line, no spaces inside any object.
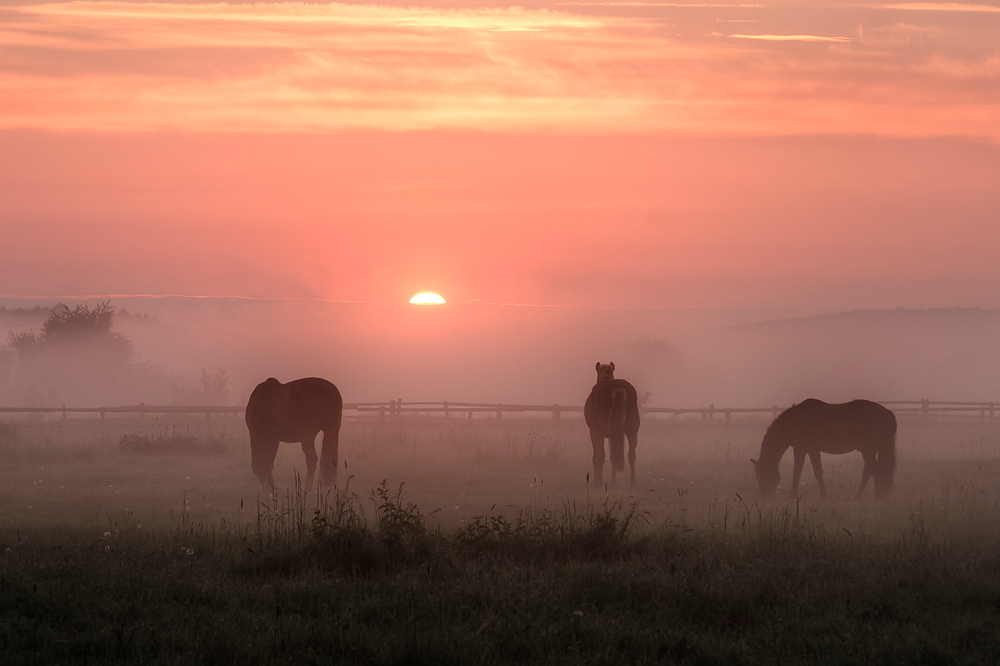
{"x":772,"y":447}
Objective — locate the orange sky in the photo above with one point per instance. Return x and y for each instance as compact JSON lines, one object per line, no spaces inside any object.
{"x":594,"y":153}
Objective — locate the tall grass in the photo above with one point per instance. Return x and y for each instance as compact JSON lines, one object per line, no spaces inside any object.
{"x":363,"y":578}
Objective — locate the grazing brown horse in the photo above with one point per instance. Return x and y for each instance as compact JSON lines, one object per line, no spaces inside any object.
{"x":813,"y":427}
{"x":294,"y":412}
{"x":612,"y":413}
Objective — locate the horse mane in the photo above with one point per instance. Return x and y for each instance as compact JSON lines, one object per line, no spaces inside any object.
{"x":778,"y":431}
{"x":779,"y":425}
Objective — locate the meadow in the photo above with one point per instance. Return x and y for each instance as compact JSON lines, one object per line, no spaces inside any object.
{"x":481,"y":542}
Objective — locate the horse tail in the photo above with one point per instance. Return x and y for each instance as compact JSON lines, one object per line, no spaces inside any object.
{"x":885,"y":465}
{"x":616,"y":415}
{"x":616,"y":427}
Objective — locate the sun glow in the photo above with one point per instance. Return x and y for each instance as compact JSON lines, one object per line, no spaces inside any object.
{"x":427,"y":298}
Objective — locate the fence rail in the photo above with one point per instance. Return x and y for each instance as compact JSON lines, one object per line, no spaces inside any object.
{"x":927,"y":410}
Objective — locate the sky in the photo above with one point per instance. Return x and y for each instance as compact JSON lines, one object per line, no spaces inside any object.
{"x":593,"y":154}
{"x":609,"y":179}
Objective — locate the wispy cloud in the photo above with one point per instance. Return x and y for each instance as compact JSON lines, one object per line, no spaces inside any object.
{"x":651,"y":3}
{"x":793,"y":38}
{"x":942,"y":7}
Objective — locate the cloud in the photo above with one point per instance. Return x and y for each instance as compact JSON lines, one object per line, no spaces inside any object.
{"x":295,"y":67}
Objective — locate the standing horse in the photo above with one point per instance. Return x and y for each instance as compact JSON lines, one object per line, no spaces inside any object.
{"x":813,"y":427}
{"x":294,"y":412}
{"x":612,"y":413}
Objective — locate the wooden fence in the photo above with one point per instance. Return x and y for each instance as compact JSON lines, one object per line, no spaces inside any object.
{"x":926,"y":410}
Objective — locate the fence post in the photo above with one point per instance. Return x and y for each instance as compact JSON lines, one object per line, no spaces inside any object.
{"x":991,"y":411}
{"x":727,"y":418}
{"x":711,"y":414}
{"x":446,"y":413}
{"x":925,"y":408}
{"x":499,"y":411}
{"x":142,"y":412}
{"x":64,"y":412}
{"x":774,"y":412}
{"x":556,"y":414}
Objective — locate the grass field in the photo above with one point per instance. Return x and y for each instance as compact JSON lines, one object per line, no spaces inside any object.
{"x":480,"y":542}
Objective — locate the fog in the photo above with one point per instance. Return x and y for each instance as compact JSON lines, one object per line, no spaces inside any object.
{"x":167,"y":469}
{"x":516,"y":354}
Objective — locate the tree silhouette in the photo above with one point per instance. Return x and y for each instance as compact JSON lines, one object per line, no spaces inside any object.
{"x":76,"y":357}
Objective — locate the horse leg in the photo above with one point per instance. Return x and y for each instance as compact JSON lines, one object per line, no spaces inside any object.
{"x":597,"y":439}
{"x":328,"y":461}
{"x":262,"y":454}
{"x":616,"y":443}
{"x":633,"y":441}
{"x":309,"y":449}
{"x":800,"y":458}
{"x":867,"y":473}
{"x":818,"y":471}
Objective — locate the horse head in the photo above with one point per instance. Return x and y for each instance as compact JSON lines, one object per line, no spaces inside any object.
{"x":768,"y":478}
{"x":605,"y":371}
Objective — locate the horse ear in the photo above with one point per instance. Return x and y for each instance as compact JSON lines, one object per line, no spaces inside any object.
{"x":754,"y":462}
{"x":598,"y":366}
{"x":612,"y":366}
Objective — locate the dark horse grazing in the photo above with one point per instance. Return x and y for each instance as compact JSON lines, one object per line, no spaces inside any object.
{"x":294,"y":412}
{"x":612,"y":413}
{"x":813,"y":427}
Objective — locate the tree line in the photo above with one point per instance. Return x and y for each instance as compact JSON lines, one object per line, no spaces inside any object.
{"x":78,"y":358}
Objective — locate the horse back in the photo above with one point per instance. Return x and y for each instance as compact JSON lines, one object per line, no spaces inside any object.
{"x":293,"y":410}
{"x":837,"y":426}
{"x":597,"y":409}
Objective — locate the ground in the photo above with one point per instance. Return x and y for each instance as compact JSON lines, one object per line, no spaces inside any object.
{"x":485,"y":544}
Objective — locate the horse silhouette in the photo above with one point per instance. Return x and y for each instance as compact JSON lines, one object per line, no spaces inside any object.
{"x":612,"y":413}
{"x":813,"y":427}
{"x":294,"y":412}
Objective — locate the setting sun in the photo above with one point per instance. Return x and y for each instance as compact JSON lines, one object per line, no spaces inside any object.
{"x":427,"y":298}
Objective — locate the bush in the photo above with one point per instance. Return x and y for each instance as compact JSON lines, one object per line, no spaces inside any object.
{"x":331,"y":532}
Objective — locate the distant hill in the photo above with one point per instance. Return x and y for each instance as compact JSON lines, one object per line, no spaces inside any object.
{"x":935,"y":317}
{"x":940,"y":353}
{"x":37,"y":312}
